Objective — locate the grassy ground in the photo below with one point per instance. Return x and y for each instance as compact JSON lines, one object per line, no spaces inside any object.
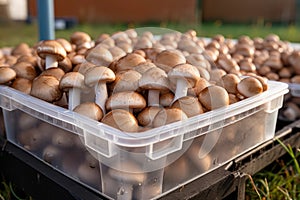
{"x":14,"y":33}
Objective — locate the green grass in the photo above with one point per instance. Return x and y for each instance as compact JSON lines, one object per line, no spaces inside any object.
{"x":9,"y":192}
{"x":13,"y":33}
{"x":281,"y":181}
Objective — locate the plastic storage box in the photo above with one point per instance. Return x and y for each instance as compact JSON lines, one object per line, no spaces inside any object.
{"x":143,"y":165}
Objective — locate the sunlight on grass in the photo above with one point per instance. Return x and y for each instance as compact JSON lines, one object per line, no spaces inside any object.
{"x":282,"y":181}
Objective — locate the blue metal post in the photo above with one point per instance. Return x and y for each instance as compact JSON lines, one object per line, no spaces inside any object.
{"x":46,"y":19}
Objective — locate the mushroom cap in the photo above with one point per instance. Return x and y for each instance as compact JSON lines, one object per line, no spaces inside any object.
{"x":97,"y":74}
{"x":249,"y":86}
{"x":167,"y":116}
{"x":65,"y":64}
{"x":89,"y":109}
{"x":117,"y":52}
{"x":184,"y":71}
{"x":189,"y":105}
{"x":54,"y":71}
{"x":169,"y":58}
{"x":126,"y":81}
{"x":229,"y":82}
{"x":125,"y":100}
{"x":79,"y":38}
{"x":198,"y":60}
{"x":71,"y":80}
{"x":21,"y":49}
{"x":46,"y":88}
{"x":142,"y":67}
{"x":122,"y":120}
{"x":52,"y":154}
{"x":99,"y":56}
{"x":65,"y":43}
{"x":25,"y":70}
{"x":89,"y":174}
{"x":31,"y":139}
{"x":147,"y":115}
{"x":129,"y":62}
{"x":154,"y":79}
{"x":199,"y":86}
{"x":22,"y":84}
{"x":214,"y":97}
{"x":166,"y":99}
{"x":51,"y":47}
{"x":7,"y":74}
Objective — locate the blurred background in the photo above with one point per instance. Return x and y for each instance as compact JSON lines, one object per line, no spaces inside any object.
{"x":18,"y":18}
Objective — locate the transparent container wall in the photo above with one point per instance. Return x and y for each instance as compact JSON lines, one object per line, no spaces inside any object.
{"x":2,"y":127}
{"x":123,"y":185}
{"x":216,"y":148}
{"x":62,"y":149}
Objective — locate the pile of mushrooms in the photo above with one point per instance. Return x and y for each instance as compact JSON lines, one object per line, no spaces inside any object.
{"x":138,"y":82}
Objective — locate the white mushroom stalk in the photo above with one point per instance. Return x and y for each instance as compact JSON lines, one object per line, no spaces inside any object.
{"x":101,"y":94}
{"x":182,"y":86}
{"x":154,"y":80}
{"x":74,"y":98}
{"x":52,"y":51}
{"x":98,"y":76}
{"x":153,"y":98}
{"x":73,"y":83}
{"x":50,"y":61}
{"x":184,"y":76}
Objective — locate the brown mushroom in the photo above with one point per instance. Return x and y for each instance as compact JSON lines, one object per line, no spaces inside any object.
{"x":147,"y":115}
{"x":52,"y":52}
{"x":22,"y":84}
{"x":81,"y":40}
{"x":167,"y":59}
{"x":25,"y":70}
{"x":7,"y":75}
{"x":122,"y":120}
{"x":127,"y":100}
{"x":125,"y":81}
{"x":230,"y":82}
{"x":189,"y":105}
{"x":73,"y":83}
{"x":129,"y":62}
{"x":54,"y":71}
{"x":249,"y":86}
{"x":167,"y":116}
{"x":214,"y":97}
{"x":98,"y":76}
{"x":46,"y":88}
{"x":90,"y":110}
{"x":154,"y":80}
{"x":184,"y":76}
{"x":99,"y":56}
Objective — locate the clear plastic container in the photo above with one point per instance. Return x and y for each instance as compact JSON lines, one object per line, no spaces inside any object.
{"x":294,"y":89}
{"x":142,"y":165}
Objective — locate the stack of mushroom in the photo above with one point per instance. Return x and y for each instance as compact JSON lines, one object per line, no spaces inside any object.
{"x":137,"y":83}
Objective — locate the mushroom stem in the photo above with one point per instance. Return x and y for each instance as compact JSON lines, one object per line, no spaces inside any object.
{"x":50,"y":61}
{"x":101,"y":95}
{"x":74,"y":98}
{"x":181,"y":89}
{"x":153,"y":97}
